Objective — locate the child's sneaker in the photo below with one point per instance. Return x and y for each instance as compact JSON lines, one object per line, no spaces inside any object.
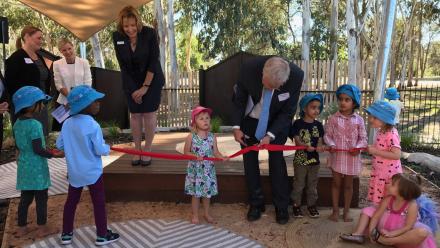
{"x":313,"y":212}
{"x":110,"y":237}
{"x":297,"y":213}
{"x":66,"y":238}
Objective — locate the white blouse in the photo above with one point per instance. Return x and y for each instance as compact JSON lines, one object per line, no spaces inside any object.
{"x":70,"y":75}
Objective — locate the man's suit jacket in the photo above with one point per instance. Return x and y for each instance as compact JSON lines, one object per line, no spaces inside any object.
{"x":284,"y":99}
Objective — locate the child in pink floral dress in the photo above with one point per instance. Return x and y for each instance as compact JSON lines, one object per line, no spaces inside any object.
{"x":385,"y":149}
{"x":345,"y":130}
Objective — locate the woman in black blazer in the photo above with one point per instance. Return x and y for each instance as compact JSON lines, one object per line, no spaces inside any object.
{"x":25,"y":67}
{"x":137,"y":51}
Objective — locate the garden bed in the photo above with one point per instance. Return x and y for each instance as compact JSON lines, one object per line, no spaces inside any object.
{"x":430,"y":175}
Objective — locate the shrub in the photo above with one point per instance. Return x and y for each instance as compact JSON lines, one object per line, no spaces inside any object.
{"x":216,"y":122}
{"x":408,"y":140}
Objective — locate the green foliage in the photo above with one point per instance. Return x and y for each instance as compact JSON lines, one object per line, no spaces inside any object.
{"x":106,"y":124}
{"x":230,"y":26}
{"x":408,"y":140}
{"x":7,"y":127}
{"x":328,"y":111}
{"x":113,"y":132}
{"x":216,"y":122}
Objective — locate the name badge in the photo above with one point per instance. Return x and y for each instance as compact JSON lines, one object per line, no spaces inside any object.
{"x":283,"y":97}
{"x":120,"y":42}
{"x":28,"y":61}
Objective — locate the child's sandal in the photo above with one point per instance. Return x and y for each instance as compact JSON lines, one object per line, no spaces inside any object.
{"x":375,"y":235}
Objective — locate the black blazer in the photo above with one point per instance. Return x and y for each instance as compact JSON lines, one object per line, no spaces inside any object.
{"x":284,"y":100}
{"x":4,"y":94}
{"x":18,"y":73}
{"x":134,"y":65}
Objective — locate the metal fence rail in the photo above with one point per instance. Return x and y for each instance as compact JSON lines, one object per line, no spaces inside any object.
{"x":420,"y":117}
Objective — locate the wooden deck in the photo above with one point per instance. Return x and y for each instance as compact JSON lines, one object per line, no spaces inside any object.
{"x":164,"y":180}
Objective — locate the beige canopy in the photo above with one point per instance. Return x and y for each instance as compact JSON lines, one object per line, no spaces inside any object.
{"x":82,"y":17}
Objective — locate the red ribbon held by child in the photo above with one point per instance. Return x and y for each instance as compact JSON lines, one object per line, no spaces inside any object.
{"x":247,"y":149}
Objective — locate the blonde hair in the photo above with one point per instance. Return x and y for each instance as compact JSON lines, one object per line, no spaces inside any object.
{"x":62,"y":42}
{"x":277,"y":70}
{"x":128,"y":12}
{"x":193,"y":127}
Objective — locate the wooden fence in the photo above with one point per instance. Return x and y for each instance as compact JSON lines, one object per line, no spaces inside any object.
{"x":176,"y":104}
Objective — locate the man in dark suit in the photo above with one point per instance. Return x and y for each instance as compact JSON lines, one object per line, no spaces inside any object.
{"x":264,"y":80}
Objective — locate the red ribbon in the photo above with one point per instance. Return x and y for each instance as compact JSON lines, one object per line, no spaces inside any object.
{"x":247,"y":149}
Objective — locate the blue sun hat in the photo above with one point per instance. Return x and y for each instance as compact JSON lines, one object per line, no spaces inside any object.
{"x":383,"y":111}
{"x":81,"y":97}
{"x":27,"y":96}
{"x":308,"y":98}
{"x":352,"y":91}
{"x":392,"y":93}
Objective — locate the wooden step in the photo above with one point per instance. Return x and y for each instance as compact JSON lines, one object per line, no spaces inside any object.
{"x":164,"y":180}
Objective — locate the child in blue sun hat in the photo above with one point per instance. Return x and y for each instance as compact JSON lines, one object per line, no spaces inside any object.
{"x":83,"y":143}
{"x":385,"y":149}
{"x":33,"y":177}
{"x":307,"y":131}
{"x":345,"y":129}
{"x":393,"y":96}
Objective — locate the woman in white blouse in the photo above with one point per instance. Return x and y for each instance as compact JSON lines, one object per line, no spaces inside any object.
{"x":70,"y":71}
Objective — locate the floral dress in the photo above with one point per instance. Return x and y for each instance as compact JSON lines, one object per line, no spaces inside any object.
{"x":383,"y":169}
{"x":201,"y":180}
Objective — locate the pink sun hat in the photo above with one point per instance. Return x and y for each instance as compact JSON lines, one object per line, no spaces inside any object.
{"x":197,"y":110}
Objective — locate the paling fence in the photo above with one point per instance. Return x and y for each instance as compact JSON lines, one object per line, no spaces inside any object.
{"x":420,"y":118}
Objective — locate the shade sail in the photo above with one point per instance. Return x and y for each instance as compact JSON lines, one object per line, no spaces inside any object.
{"x":82,"y":17}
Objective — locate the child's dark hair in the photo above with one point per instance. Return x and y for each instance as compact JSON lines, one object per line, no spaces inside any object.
{"x":409,"y":186}
{"x":387,"y":128}
{"x":30,"y":108}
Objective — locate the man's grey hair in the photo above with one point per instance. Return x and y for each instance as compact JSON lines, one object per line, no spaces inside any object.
{"x":277,"y":71}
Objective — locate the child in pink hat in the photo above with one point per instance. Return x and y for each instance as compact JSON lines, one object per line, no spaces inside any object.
{"x":201,"y":180}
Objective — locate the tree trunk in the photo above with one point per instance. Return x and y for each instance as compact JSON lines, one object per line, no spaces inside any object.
{"x":425,"y":58}
{"x":419,"y":44}
{"x":47,"y":31}
{"x":406,"y":42}
{"x":188,"y":56}
{"x":411,"y":60}
{"x":334,"y":42}
{"x":352,"y":42}
{"x":173,"y":72}
{"x":305,"y":49}
{"x":392,"y":65}
{"x":158,"y":10}
{"x":97,"y":52}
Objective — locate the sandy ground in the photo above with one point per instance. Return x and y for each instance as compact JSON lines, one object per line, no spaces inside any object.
{"x":228,"y":216}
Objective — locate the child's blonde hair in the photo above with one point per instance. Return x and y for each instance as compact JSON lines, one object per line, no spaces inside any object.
{"x":196,"y":112}
{"x":194,"y":128}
